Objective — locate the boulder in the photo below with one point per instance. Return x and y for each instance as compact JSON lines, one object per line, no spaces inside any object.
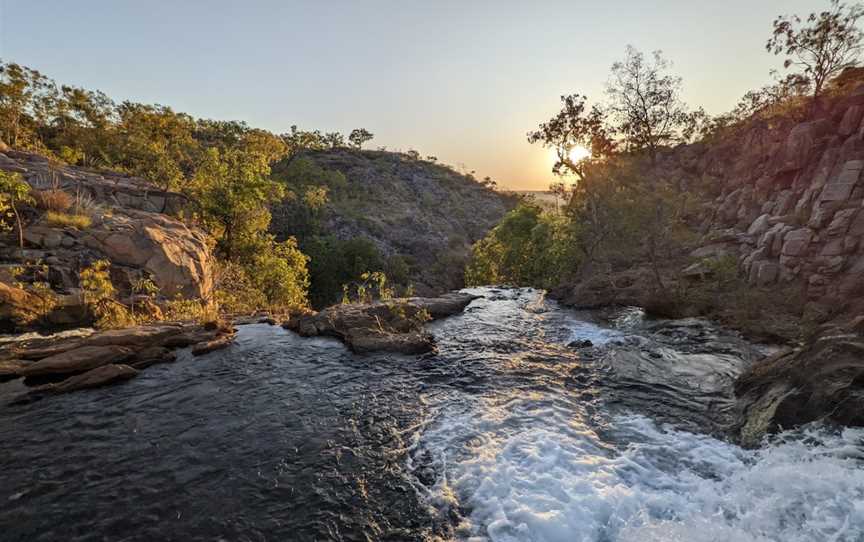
{"x":94,"y":378}
{"x":823,"y":380}
{"x":394,"y":326}
{"x":220,"y":342}
{"x":152,"y":356}
{"x":177,"y":256}
{"x":136,"y":337}
{"x":77,"y":360}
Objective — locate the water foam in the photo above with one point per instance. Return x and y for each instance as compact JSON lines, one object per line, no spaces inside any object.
{"x":529,"y":471}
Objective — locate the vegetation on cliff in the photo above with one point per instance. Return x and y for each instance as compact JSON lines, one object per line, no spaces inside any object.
{"x":640,"y":226}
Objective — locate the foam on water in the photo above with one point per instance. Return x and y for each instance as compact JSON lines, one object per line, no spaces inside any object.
{"x":529,"y":471}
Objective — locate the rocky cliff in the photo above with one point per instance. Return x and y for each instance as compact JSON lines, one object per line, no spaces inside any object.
{"x":789,"y":197}
{"x":131,"y":227}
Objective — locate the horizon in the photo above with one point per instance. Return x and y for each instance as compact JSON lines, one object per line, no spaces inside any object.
{"x":462,"y":83}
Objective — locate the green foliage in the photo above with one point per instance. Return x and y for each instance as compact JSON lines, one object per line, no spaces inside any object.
{"x":334,"y":262}
{"x":820,"y":46}
{"x":233,"y":190}
{"x":100,"y":294}
{"x":279,"y":272}
{"x":13,"y":192}
{"x":528,"y":247}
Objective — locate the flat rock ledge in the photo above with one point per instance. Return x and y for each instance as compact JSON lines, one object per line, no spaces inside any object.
{"x":65,"y":365}
{"x":393,"y":326}
{"x":823,"y":380}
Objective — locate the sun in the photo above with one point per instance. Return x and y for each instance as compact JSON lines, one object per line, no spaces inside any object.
{"x":578,"y":153}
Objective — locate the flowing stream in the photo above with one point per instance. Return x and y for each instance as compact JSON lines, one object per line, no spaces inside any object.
{"x":507,"y":433}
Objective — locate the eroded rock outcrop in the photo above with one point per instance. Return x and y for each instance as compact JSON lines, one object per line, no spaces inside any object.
{"x":103,"y":357}
{"x":790,"y":203}
{"x":370,"y":327}
{"x":132,"y":226}
{"x":820,"y":381}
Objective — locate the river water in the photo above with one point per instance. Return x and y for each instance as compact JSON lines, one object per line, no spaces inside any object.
{"x":505,"y":434}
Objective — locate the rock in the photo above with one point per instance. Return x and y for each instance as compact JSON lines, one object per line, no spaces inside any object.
{"x":137,"y":337}
{"x":797,"y":242}
{"x":152,"y":356}
{"x":177,"y":256}
{"x":370,"y":327}
{"x":77,"y":360}
{"x":94,"y":378}
{"x":823,"y":380}
{"x":10,"y":368}
{"x":581,"y":343}
{"x":223,"y":341}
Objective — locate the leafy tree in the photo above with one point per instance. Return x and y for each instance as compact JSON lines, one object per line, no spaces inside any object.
{"x":575,"y":126}
{"x":298,"y":140}
{"x":279,"y":272}
{"x":233,"y":190}
{"x":820,"y":46}
{"x":359,"y":136}
{"x":334,"y":140}
{"x":645,"y":106}
{"x":527,"y":248}
{"x":13,"y":192}
{"x":26,"y":98}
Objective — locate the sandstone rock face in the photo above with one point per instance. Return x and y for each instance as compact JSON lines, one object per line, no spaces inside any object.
{"x":130,"y":228}
{"x":373,"y":327}
{"x":791,"y":203}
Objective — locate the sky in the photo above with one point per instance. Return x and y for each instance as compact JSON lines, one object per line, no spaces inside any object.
{"x":461,"y":80}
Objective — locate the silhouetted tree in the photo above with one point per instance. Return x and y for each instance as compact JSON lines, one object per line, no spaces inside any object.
{"x":575,"y":126}
{"x":820,"y":46}
{"x":359,"y":136}
{"x":644,"y":102}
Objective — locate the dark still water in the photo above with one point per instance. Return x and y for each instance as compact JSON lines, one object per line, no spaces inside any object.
{"x":505,"y":434}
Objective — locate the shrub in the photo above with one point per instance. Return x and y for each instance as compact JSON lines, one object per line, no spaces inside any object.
{"x":190,"y":309}
{"x":99,"y":296}
{"x":67,"y":220}
{"x":54,"y":199}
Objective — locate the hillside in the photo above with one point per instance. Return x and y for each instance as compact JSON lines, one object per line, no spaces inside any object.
{"x":427,"y":214}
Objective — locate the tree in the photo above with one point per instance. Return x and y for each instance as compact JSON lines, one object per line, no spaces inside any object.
{"x":13,"y":192}
{"x":575,"y":126}
{"x":233,"y":191}
{"x":334,"y":140}
{"x":359,"y":136}
{"x":820,"y":46}
{"x":644,"y":102}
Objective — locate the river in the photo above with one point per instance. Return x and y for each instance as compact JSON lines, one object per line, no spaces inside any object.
{"x":507,"y":433}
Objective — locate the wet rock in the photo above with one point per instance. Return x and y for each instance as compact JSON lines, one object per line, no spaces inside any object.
{"x":370,"y":327}
{"x":582,"y":343}
{"x":77,"y":360}
{"x":823,"y":380}
{"x":152,"y":356}
{"x":136,"y":337}
{"x":220,"y":342}
{"x":94,"y":378}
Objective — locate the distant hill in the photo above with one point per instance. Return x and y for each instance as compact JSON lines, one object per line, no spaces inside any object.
{"x":424,"y":212}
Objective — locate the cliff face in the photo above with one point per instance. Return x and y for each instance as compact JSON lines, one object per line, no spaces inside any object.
{"x":788,"y":200}
{"x":129,"y":227}
{"x":425,"y":212}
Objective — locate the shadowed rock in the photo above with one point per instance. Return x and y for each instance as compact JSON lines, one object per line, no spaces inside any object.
{"x":94,"y":378}
{"x":823,"y":380}
{"x":77,"y":360}
{"x":152,"y":356}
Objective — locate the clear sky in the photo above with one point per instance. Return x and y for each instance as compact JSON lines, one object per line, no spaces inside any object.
{"x":462,"y":80}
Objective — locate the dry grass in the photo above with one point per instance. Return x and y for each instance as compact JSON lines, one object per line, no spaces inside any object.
{"x":67,"y":220}
{"x":53,"y":199}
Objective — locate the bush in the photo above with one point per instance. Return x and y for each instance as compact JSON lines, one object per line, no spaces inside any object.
{"x":66,"y":220}
{"x":99,"y":296}
{"x":54,"y":199}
